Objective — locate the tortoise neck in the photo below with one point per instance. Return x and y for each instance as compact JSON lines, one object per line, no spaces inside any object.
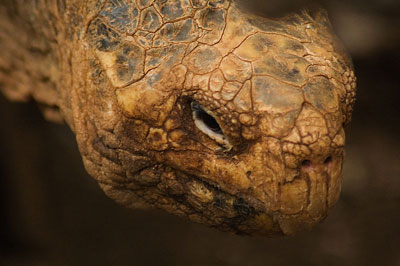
{"x":29,"y":60}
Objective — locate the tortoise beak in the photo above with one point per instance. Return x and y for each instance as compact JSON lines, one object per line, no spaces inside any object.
{"x":307,"y":200}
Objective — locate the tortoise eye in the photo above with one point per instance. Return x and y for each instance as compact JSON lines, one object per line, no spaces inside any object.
{"x":207,"y":124}
{"x":200,"y":114}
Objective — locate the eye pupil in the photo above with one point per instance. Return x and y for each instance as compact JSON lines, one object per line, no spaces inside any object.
{"x":207,"y":119}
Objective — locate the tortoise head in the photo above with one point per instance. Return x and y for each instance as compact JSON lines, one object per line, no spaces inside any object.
{"x":227,"y":118}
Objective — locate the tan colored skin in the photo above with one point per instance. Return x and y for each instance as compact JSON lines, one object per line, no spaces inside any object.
{"x":281,"y":91}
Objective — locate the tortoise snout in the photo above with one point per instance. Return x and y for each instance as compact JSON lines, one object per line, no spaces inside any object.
{"x":312,"y":194}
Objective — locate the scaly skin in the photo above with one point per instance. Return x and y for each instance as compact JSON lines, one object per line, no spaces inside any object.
{"x":127,"y":75}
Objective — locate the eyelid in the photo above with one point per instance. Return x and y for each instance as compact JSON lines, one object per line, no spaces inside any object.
{"x":221,"y":139}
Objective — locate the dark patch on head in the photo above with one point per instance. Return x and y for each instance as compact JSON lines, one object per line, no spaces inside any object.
{"x":99,"y":145}
{"x":105,"y":45}
{"x":320,"y":93}
{"x":102,"y":37}
{"x":216,"y":3}
{"x":135,"y":12}
{"x":151,"y":21}
{"x":121,"y":59}
{"x":266,"y":25}
{"x":121,"y":15}
{"x":295,"y":46}
{"x":61,"y":6}
{"x":197,"y":3}
{"x":144,"y":2}
{"x":168,"y":30}
{"x":129,"y":62}
{"x":155,"y":137}
{"x":214,"y":17}
{"x":294,"y":71}
{"x":180,"y":198}
{"x":97,"y":75}
{"x":235,"y":222}
{"x":185,"y":30}
{"x":154,"y":78}
{"x":219,"y":201}
{"x":242,"y":208}
{"x":126,"y":50}
{"x":118,"y":15}
{"x":171,"y":9}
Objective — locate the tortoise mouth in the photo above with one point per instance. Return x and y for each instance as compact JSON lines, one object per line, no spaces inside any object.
{"x":244,"y":214}
{"x":231,"y":208}
{"x":212,"y":205}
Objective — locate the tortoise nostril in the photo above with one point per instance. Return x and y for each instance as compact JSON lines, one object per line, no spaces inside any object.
{"x":328,"y":160}
{"x":306,"y":163}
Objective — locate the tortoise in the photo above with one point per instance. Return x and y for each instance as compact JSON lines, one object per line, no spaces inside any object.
{"x":197,"y":107}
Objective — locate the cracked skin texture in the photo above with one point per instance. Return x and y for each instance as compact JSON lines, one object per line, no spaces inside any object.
{"x":280,"y":90}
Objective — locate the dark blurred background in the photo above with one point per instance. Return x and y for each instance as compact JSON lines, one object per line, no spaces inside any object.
{"x":53,"y":213}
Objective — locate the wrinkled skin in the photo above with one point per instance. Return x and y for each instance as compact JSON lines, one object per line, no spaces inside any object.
{"x":125,"y":76}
